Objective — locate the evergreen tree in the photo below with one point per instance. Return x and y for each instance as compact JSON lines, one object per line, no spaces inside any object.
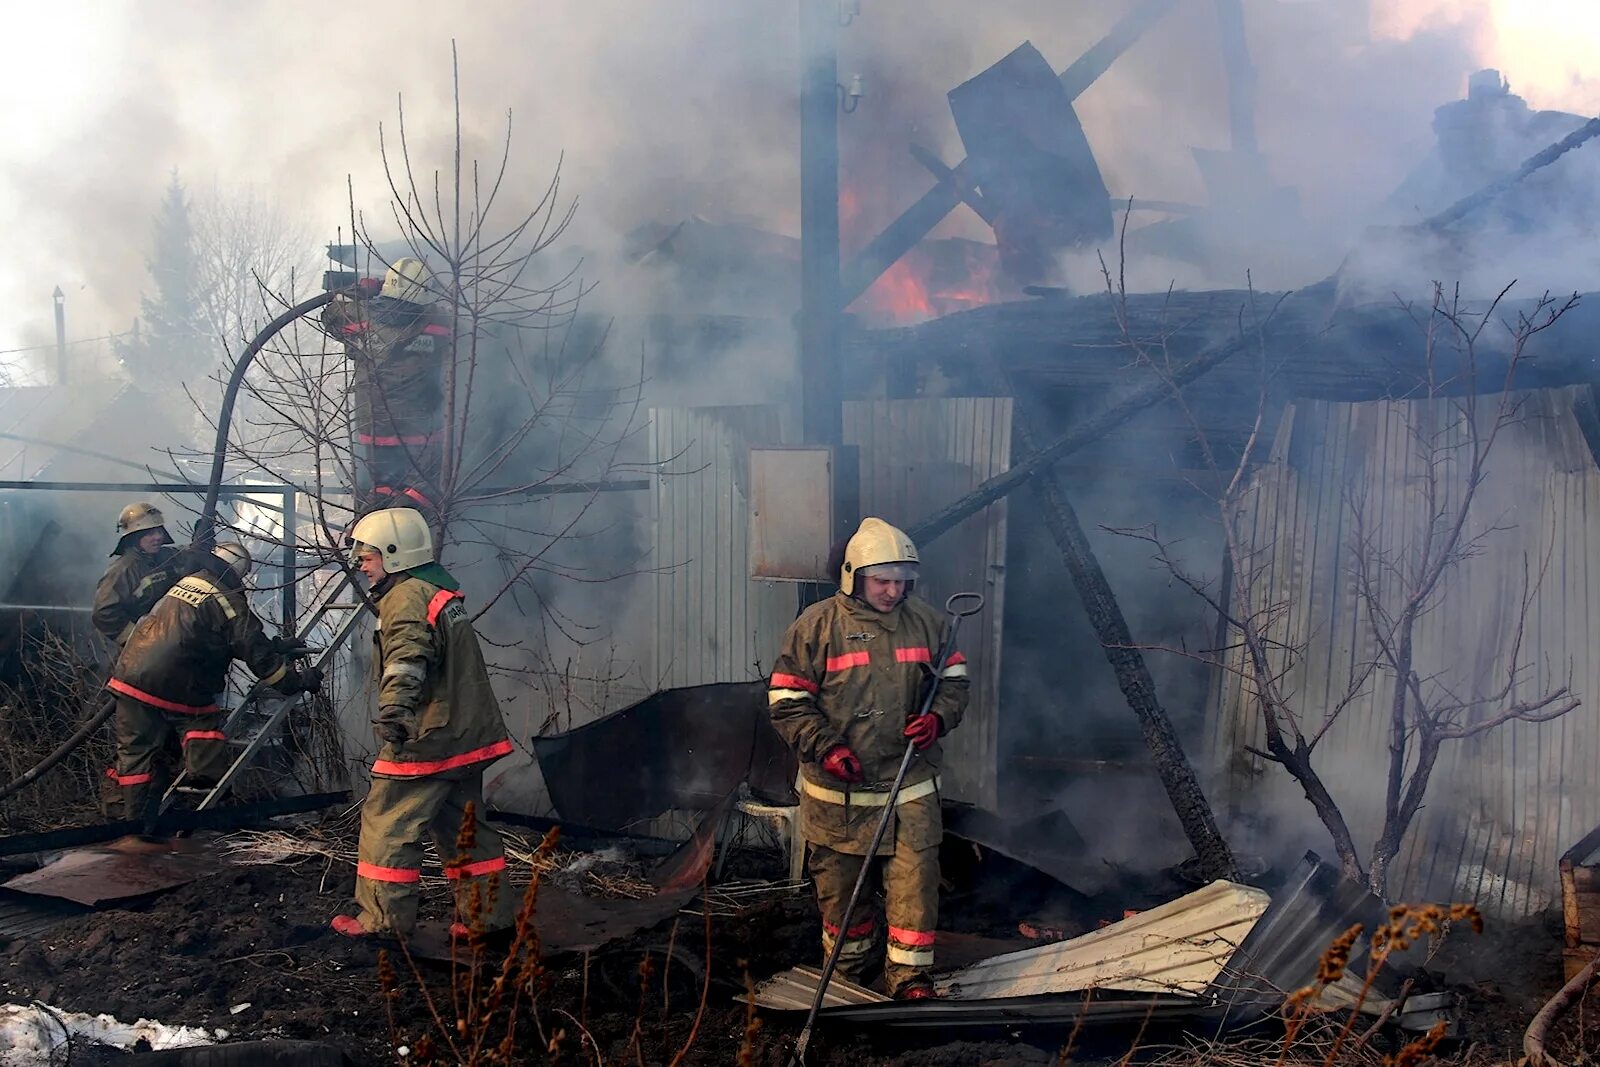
{"x":170,"y":340}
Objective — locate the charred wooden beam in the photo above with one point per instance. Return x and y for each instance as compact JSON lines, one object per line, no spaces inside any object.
{"x":1107,"y":419}
{"x":901,"y":235}
{"x":1098,"y":59}
{"x":1133,"y":676}
{"x":1534,"y":162}
{"x":964,"y":189}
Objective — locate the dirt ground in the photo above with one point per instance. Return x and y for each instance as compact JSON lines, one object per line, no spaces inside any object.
{"x":256,"y":936}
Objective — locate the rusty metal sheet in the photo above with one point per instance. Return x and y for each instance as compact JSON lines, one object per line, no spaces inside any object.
{"x":681,"y":748}
{"x":129,"y":867}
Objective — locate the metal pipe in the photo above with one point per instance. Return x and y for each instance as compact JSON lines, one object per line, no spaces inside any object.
{"x":821,"y":414}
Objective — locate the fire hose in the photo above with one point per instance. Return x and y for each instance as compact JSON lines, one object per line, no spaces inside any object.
{"x":204,"y":526}
{"x":956,"y":614}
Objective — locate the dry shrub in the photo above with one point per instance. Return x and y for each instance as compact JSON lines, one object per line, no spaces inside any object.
{"x":59,"y":687}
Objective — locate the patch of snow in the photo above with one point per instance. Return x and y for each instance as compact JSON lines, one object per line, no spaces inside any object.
{"x":30,"y":1033}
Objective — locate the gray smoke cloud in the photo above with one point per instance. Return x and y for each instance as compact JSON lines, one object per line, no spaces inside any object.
{"x":662,"y":111}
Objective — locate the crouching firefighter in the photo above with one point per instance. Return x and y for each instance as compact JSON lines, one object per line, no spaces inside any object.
{"x":143,"y":567}
{"x":175,"y":662}
{"x":439,"y":726}
{"x":846,"y":694}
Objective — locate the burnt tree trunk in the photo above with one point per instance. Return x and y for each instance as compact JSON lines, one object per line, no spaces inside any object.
{"x":1133,"y":677}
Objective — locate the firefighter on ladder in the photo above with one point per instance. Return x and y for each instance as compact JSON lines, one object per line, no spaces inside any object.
{"x":439,"y":726}
{"x":143,"y":567}
{"x":398,"y":343}
{"x":845,"y":693}
{"x":175,"y":662}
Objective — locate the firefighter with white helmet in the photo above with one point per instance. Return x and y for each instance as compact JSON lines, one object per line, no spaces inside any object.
{"x":846,"y":693}
{"x":439,"y":726}
{"x":175,"y":662}
{"x":143,"y":567}
{"x":398,"y":341}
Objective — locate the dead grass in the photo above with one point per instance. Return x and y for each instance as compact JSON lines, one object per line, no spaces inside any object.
{"x":60,"y":687}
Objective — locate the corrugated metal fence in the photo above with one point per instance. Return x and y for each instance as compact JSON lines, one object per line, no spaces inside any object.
{"x":1504,"y":805}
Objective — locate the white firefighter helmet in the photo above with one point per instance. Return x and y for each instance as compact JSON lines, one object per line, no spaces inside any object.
{"x":138,"y":518}
{"x":236,"y":557}
{"x":408,"y":279}
{"x":400,"y":535}
{"x":878,"y":550}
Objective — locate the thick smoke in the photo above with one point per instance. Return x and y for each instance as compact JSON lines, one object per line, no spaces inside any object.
{"x":663,"y":111}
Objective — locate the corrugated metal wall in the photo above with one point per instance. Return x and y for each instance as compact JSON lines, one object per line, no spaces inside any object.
{"x":916,"y":457}
{"x":1503,"y":806}
{"x":713,"y":623}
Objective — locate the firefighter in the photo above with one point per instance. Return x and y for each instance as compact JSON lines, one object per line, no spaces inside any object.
{"x":143,"y":567}
{"x":174,"y":663}
{"x":439,"y":727}
{"x":846,"y":694}
{"x":398,"y":343}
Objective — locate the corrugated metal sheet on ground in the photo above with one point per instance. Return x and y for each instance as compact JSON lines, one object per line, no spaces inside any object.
{"x":1178,"y":947}
{"x":796,"y":988}
{"x":918,"y":456}
{"x":1501,"y":807}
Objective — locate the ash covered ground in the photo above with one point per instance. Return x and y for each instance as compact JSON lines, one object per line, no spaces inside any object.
{"x":256,"y":935}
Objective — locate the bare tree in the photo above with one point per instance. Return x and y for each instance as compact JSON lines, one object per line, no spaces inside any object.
{"x":1402,"y":572}
{"x":536,"y":425}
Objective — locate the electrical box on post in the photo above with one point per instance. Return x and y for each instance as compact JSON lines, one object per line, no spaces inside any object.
{"x":802,"y":500}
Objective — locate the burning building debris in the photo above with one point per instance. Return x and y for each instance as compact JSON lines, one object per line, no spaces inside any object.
{"x":1302,"y":563}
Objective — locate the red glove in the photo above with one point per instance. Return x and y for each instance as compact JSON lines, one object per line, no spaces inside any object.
{"x":842,"y":764}
{"x":924,"y":730}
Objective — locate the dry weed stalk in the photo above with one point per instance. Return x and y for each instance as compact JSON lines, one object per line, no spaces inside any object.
{"x":1407,"y":925}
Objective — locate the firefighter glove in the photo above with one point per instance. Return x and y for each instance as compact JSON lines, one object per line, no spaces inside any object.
{"x":924,"y":730}
{"x":283,"y":644}
{"x":309,"y":679}
{"x":840,"y":762}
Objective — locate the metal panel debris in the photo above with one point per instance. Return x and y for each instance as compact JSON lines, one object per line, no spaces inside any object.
{"x":1281,"y":952}
{"x":1178,"y":947}
{"x":796,"y":988}
{"x":131,"y":867}
{"x":683,"y":749}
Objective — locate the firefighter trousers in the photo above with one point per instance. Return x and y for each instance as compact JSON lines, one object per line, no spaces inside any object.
{"x":141,"y":732}
{"x":397,"y":814}
{"x":910,"y":882}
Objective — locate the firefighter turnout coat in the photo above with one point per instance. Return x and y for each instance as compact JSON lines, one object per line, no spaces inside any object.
{"x":850,"y":675}
{"x":132,"y":585}
{"x":177,"y":656}
{"x":431,"y":674}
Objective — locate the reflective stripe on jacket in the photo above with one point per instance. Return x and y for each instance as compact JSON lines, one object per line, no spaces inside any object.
{"x":179,"y":653}
{"x":430,"y":670}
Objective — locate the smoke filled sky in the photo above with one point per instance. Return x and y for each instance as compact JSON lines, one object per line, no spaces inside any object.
{"x":665,"y":109}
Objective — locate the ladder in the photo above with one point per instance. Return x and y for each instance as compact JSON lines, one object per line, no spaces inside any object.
{"x":254,"y":720}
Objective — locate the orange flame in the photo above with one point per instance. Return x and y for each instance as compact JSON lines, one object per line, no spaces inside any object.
{"x":907,"y":293}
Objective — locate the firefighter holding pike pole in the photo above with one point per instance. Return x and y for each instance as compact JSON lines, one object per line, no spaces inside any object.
{"x":865,"y":685}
